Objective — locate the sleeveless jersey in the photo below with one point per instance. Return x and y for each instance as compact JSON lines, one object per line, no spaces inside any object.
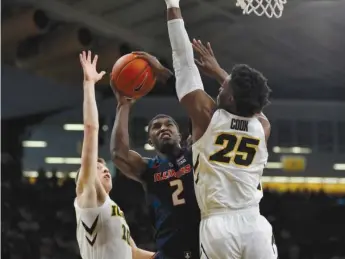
{"x":228,"y":163}
{"x":102,"y":232}
{"x":170,"y":192}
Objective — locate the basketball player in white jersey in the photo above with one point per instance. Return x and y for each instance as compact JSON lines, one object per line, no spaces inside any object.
{"x":229,"y":151}
{"x":102,"y":231}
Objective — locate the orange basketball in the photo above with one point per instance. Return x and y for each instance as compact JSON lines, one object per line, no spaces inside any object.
{"x":132,"y":77}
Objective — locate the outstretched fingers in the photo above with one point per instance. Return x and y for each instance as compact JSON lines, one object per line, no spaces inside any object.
{"x":95,"y":59}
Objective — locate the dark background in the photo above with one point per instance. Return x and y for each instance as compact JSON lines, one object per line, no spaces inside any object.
{"x":302,"y":55}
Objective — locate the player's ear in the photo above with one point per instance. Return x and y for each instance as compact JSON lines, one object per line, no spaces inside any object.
{"x":231,"y":98}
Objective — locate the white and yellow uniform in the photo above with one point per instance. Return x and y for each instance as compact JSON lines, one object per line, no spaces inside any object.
{"x":102,"y":232}
{"x":229,"y":160}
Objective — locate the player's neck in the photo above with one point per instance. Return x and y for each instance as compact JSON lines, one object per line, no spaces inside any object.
{"x":171,"y":153}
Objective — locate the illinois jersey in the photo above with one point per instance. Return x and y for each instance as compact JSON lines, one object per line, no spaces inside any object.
{"x":102,"y":232}
{"x":228,"y":163}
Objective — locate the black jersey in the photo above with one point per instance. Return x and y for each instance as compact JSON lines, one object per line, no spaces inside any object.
{"x":170,"y":192}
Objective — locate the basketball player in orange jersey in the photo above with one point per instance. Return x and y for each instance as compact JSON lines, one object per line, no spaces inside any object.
{"x":229,"y":150}
{"x":102,"y":231}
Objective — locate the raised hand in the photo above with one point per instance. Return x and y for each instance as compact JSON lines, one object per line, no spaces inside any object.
{"x":123,"y":100}
{"x":89,"y":67}
{"x":162,"y":73}
{"x":207,"y":62}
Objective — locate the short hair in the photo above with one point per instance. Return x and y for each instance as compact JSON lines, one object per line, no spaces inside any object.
{"x":250,"y":90}
{"x":161,"y":116}
{"x":99,"y":160}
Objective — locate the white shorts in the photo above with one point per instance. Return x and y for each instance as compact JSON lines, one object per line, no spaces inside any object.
{"x":242,"y":234}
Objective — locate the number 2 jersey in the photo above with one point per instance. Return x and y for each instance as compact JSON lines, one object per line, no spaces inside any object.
{"x":229,"y":160}
{"x":176,"y":216}
{"x":102,"y":232}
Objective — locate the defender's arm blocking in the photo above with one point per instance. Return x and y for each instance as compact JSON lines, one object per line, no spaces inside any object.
{"x":189,"y":87}
{"x":87,"y":176}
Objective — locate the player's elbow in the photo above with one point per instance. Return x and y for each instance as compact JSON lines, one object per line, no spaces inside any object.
{"x":90,"y":133}
{"x":119,"y":158}
{"x":91,"y":127}
{"x":119,"y":150}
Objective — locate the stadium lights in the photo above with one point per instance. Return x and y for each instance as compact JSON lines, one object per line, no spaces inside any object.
{"x":274,"y":165}
{"x":148,"y":147}
{"x":49,"y":174}
{"x":34,"y":143}
{"x":63,"y":160}
{"x":34,"y":174}
{"x":72,"y":175}
{"x":339,"y":167}
{"x":73,"y":127}
{"x":309,"y":180}
{"x":293,"y":150}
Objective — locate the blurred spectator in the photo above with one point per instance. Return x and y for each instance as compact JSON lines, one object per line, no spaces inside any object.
{"x":38,"y":220}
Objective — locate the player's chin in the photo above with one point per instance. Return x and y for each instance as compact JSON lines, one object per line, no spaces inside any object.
{"x":166,"y":141}
{"x":107,"y":184}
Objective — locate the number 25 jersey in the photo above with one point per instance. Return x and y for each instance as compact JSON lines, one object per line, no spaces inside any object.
{"x":228,"y":163}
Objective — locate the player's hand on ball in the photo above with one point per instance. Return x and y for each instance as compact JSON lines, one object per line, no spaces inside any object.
{"x":123,"y":100}
{"x":162,"y":73}
{"x":207,"y":62}
{"x":89,"y":67}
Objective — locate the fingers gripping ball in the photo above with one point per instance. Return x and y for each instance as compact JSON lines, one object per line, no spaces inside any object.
{"x":132,"y":77}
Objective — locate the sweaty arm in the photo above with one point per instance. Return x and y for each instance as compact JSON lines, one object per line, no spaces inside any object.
{"x":128,"y":161}
{"x":138,"y":253}
{"x":189,"y":88}
{"x":86,"y":190}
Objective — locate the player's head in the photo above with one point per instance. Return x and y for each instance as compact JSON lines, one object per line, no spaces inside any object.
{"x":164,"y":134}
{"x":103,"y":175}
{"x":245,"y":92}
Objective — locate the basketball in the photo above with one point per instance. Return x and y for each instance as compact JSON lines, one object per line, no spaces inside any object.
{"x":132,"y":77}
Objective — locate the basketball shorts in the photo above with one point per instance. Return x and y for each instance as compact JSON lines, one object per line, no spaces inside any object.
{"x":241,"y":234}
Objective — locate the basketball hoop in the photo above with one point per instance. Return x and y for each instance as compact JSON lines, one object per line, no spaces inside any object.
{"x":270,"y":8}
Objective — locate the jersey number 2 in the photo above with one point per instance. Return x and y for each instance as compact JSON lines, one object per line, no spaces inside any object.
{"x":175,"y":196}
{"x":244,"y":149}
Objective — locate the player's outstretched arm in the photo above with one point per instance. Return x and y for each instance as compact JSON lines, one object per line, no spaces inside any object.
{"x":189,"y":88}
{"x":138,"y":253}
{"x":128,"y":161}
{"x":207,"y":62}
{"x":86,"y":188}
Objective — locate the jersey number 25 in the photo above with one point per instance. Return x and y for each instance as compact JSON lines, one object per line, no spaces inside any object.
{"x":243,"y":147}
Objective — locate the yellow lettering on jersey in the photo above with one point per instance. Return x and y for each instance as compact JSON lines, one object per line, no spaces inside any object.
{"x":116,"y":211}
{"x":126,"y":235}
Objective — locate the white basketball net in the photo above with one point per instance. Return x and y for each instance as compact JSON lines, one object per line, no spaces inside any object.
{"x":270,"y":8}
